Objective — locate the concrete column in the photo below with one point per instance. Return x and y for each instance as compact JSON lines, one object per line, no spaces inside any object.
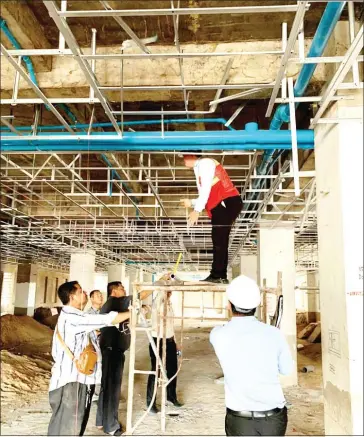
{"x":276,"y":254}
{"x":312,"y":298}
{"x":339,"y":176}
{"x":235,"y":271}
{"x":9,"y":272}
{"x":82,"y":269}
{"x":117,"y":272}
{"x":100,"y":283}
{"x":249,"y":266}
{"x":26,"y":284}
{"x":141,"y":275}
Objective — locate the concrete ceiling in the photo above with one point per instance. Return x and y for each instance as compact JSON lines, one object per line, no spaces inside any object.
{"x":193,"y":29}
{"x":45,"y":212}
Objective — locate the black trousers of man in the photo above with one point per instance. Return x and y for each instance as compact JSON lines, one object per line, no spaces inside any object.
{"x":222,"y":220}
{"x":171,"y":368}
{"x":70,"y":405}
{"x":271,"y":425}
{"x":108,"y":404}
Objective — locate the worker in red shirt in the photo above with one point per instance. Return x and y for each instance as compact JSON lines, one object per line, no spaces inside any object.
{"x":222,"y":201}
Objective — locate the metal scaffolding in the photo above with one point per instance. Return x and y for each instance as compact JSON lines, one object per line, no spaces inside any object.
{"x":125,"y":206}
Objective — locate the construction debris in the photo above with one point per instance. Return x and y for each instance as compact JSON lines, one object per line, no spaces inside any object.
{"x":307,"y":330}
{"x":316,"y":334}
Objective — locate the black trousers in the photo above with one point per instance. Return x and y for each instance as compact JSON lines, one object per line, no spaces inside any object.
{"x":272,"y":425}
{"x":171,"y":365}
{"x":70,"y":408}
{"x":108,"y":404}
{"x":222,"y":220}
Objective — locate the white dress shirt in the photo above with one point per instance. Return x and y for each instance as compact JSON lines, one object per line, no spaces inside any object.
{"x":170,"y":316}
{"x":204,"y":172}
{"x":252,"y":355}
{"x":75,"y":327}
{"x":93,"y":310}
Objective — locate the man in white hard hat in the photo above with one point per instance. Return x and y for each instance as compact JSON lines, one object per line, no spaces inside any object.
{"x":220,"y":198}
{"x":252,"y":354}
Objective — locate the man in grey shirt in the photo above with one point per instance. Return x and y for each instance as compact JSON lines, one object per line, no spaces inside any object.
{"x":252,"y":355}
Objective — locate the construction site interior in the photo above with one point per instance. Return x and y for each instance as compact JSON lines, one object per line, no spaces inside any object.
{"x":99,"y":99}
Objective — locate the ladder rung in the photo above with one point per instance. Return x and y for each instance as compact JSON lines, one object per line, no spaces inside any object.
{"x":145,"y":372}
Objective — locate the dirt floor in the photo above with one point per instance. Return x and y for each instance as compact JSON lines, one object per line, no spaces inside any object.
{"x":25,"y":409}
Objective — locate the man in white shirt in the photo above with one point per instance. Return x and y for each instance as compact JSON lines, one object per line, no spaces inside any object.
{"x":252,"y":355}
{"x":218,"y":195}
{"x":171,"y":351}
{"x":70,"y":391}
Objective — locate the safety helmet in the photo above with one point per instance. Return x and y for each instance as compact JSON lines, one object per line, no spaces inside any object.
{"x":243,"y":293}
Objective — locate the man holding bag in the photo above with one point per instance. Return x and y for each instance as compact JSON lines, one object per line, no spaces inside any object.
{"x":77,"y":361}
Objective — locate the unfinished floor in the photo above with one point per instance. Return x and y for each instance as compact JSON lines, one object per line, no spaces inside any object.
{"x":202,"y":414}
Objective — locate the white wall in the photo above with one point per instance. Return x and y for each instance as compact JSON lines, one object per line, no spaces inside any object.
{"x":51,"y":298}
{"x":8,"y":287}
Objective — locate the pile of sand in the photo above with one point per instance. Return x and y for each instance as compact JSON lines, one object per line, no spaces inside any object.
{"x":23,"y":380}
{"x":19,"y":330}
{"x":20,"y":373}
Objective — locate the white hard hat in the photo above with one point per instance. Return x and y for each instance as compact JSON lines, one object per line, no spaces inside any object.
{"x":243,"y":293}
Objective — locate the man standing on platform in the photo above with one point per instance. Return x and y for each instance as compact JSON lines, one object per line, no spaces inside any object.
{"x":222,"y":201}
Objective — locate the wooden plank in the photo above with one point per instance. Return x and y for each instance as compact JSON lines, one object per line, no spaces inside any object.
{"x":305,"y":332}
{"x":315,"y":334}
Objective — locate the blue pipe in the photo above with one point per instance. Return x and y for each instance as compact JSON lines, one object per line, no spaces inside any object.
{"x":29,"y":65}
{"x":323,"y":33}
{"x":126,"y":124}
{"x":27,"y":61}
{"x":206,"y":140}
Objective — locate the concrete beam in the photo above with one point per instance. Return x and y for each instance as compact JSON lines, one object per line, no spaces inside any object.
{"x":27,"y":30}
{"x":67,"y":80}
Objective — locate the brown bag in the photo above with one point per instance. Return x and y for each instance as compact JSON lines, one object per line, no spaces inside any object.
{"x":86,"y":363}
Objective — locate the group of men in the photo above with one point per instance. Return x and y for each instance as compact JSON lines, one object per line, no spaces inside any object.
{"x":251,"y":354}
{"x":105,"y":326}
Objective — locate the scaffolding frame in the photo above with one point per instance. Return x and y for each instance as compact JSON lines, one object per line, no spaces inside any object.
{"x":161,"y":379}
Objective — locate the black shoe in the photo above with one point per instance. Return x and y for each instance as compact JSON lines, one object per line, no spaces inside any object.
{"x":214,"y":280}
{"x":153,"y":410}
{"x":119,"y":431}
{"x":176,"y":403}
